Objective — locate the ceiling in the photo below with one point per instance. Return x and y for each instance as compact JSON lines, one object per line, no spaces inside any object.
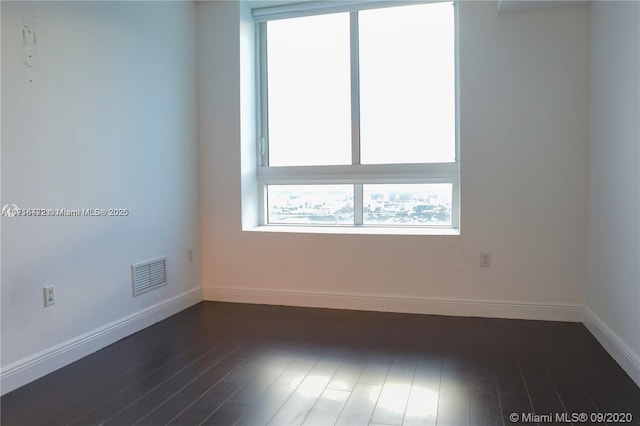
{"x":511,"y":6}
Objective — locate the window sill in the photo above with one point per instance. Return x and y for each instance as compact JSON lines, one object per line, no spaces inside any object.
{"x":354,"y":230}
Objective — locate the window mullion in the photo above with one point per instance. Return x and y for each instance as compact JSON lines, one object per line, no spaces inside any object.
{"x":358,"y":212}
{"x":355,"y":88}
{"x":263,"y":140}
{"x":455,"y":204}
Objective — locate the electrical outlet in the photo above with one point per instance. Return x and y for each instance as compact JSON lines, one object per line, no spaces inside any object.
{"x":190,"y":255}
{"x":485,"y":260}
{"x":49,"y":296}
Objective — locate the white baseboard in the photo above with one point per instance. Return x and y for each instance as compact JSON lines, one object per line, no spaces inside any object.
{"x":35,"y":366}
{"x":455,"y":307}
{"x":617,"y":348}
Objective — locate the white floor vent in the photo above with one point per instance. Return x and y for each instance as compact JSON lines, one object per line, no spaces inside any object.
{"x":149,"y":275}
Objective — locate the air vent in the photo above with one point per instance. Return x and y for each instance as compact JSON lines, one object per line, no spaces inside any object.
{"x":149,"y":275}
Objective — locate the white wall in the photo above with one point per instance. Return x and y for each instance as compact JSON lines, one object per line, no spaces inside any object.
{"x":524,"y":114}
{"x":108,"y":122}
{"x":613,"y":279}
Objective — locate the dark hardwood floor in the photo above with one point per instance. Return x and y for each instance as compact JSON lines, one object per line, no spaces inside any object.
{"x":226,"y":364}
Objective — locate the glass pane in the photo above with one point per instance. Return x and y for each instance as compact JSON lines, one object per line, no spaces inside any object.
{"x":309,"y":97}
{"x":310,"y":204}
{"x":410,"y":204}
{"x":407,"y":84}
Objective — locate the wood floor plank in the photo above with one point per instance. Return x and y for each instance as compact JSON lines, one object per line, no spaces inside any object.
{"x":242,"y":400}
{"x":273,"y":398}
{"x":588,"y":370}
{"x":213,"y":399}
{"x":185,"y":396}
{"x":85,"y":379}
{"x":208,"y":403}
{"x":113,"y":385}
{"x":228,"y":414}
{"x":301,"y":401}
{"x":349,"y":371}
{"x":422,"y":405}
{"x":532,"y":352}
{"x":484,"y":403}
{"x":453,"y":402}
{"x":148,"y":401}
{"x":224,"y":364}
{"x":117,"y":400}
{"x":377,"y":368}
{"x":394,"y":396}
{"x":327,"y":408}
{"x":512,"y":391}
{"x":360,"y":405}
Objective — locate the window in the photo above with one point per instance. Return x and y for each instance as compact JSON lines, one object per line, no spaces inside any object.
{"x":357,"y":115}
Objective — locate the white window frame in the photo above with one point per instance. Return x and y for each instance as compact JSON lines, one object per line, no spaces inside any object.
{"x":355,"y":174}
